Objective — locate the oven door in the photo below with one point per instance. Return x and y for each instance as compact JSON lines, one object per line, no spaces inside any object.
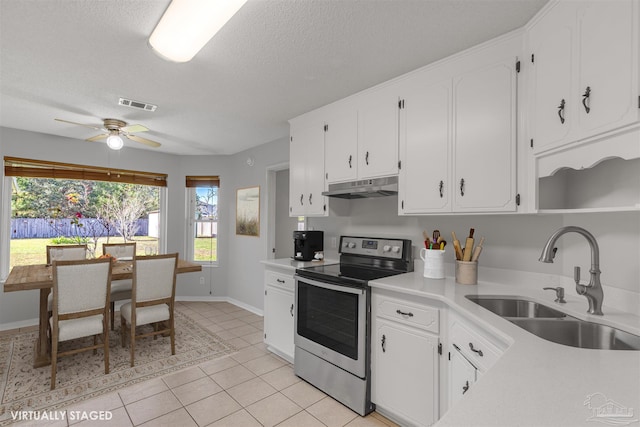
{"x":331,"y":323}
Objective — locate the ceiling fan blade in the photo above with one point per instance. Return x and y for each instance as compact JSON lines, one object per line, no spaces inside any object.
{"x":144,"y":141}
{"x":80,"y":124}
{"x":134,"y":129}
{"x":97,"y":137}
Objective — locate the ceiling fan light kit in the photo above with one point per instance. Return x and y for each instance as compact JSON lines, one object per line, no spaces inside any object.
{"x":114,"y":141}
{"x":187,"y":25}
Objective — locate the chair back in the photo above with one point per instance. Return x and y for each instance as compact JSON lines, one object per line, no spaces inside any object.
{"x":119,"y":250}
{"x":81,"y":286}
{"x":66,"y":253}
{"x":154,"y":278}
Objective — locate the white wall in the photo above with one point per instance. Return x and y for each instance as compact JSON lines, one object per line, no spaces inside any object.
{"x":512,"y":241}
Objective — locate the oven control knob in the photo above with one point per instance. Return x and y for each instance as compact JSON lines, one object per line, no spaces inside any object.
{"x":352,"y":245}
{"x":386,"y":248}
{"x":395,"y":249}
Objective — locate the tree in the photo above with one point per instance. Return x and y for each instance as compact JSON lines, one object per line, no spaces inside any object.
{"x":122,"y":211}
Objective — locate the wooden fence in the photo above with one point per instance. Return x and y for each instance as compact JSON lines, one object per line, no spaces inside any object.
{"x":43,"y":228}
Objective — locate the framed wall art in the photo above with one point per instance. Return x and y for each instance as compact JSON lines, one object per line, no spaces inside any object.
{"x":248,"y":211}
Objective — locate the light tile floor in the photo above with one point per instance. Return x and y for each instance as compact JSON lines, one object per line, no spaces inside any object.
{"x":252,"y":387}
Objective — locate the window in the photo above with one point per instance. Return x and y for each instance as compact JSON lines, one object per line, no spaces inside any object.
{"x":54,"y":203}
{"x":202,"y":225}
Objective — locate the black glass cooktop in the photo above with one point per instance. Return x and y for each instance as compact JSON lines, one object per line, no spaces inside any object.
{"x":345,"y":273}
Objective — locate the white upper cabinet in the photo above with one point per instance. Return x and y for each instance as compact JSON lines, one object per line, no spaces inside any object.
{"x":378,"y":133}
{"x":425,"y":137}
{"x":484,"y":138}
{"x":306,"y":158}
{"x":458,"y":133}
{"x":341,"y":144}
{"x":584,"y":62}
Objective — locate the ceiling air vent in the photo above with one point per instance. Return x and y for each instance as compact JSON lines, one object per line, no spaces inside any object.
{"x":137,"y":104}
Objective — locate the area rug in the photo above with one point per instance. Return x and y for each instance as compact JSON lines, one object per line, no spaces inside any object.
{"x":81,"y":376}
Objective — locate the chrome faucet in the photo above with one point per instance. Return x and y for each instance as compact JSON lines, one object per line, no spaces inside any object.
{"x":593,"y":290}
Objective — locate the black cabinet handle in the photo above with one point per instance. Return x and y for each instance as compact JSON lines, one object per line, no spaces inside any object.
{"x":440,"y":187}
{"x":585,"y":99}
{"x":479,"y":352}
{"x":366,"y":158}
{"x":310,"y":195}
{"x":465,"y":387}
{"x":301,"y":199}
{"x":279,"y":280}
{"x":350,"y":158}
{"x":291,"y":310}
{"x":462,"y":187}
{"x":402,"y":313}
{"x":561,"y":111}
{"x":383,"y":343}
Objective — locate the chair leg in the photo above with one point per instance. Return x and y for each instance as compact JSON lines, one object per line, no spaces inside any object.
{"x":123,"y":330}
{"x":95,"y":343}
{"x":113,"y":306}
{"x":105,"y":340}
{"x":54,"y":362}
{"x":132,"y":343}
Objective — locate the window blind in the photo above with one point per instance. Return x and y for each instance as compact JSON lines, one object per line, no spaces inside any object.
{"x":202,"y":181}
{"x":14,"y":166}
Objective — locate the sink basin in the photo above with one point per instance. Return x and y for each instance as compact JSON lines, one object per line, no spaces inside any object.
{"x":515,"y":307}
{"x":579,"y":333}
{"x":556,"y":326}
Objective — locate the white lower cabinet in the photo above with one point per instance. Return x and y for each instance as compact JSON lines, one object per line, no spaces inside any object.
{"x":472,"y":351}
{"x":279,"y":309}
{"x":405,"y":360}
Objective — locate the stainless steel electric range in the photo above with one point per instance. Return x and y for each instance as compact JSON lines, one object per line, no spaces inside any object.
{"x":333,"y":317}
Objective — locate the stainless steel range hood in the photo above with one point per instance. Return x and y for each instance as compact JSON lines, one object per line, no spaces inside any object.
{"x":377,"y":187}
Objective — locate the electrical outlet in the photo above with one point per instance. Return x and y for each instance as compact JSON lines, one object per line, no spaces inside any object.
{"x":201,"y":280}
{"x":334,"y":242}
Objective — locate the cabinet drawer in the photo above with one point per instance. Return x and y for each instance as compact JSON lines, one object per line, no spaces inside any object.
{"x":280,"y":280}
{"x":476,"y":348}
{"x":419,"y":316}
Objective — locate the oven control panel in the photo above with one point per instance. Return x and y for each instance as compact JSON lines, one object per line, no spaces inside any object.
{"x":385,"y":248}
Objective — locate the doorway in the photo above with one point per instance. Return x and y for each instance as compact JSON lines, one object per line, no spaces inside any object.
{"x":280,"y":226}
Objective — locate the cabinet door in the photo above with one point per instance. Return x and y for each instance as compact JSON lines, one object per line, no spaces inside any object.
{"x":315,"y":203}
{"x":278,"y":320}
{"x":550,"y":42}
{"x":405,"y":374}
{"x":297,"y":162}
{"x":484,"y":145}
{"x":340,"y":147}
{"x":378,"y":134}
{"x":306,"y":177}
{"x":462,"y":375}
{"x":424,"y":148}
{"x":607,"y":65}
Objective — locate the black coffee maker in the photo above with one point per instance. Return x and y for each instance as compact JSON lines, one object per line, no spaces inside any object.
{"x":306,"y":244}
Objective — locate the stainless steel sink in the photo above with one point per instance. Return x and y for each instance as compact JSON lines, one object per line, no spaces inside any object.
{"x":515,"y":307}
{"x":555,"y":326}
{"x":580,"y":333}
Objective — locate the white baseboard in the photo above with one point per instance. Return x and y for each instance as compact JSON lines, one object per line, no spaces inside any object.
{"x":20,"y":324}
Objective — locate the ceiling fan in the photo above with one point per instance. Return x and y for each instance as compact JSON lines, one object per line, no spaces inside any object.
{"x":116,"y":129}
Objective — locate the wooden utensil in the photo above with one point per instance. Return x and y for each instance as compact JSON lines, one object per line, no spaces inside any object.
{"x":456,"y":246}
{"x":468,"y":246}
{"x":477,"y":250}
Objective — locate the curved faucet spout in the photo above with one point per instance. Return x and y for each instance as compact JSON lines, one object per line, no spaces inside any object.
{"x":593,"y":290}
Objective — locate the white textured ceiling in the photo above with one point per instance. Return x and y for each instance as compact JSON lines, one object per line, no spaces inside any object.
{"x":276,"y":59}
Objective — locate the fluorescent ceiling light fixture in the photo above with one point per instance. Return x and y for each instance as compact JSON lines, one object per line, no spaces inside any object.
{"x":187,"y":25}
{"x":114,"y":141}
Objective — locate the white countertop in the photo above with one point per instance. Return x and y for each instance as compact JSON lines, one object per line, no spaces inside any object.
{"x":292,"y":264}
{"x":535,"y":382}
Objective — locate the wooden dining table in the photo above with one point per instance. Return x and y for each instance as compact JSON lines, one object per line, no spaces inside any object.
{"x":39,"y":276}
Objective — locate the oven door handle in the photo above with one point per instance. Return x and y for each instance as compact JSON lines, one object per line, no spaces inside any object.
{"x":347,"y":289}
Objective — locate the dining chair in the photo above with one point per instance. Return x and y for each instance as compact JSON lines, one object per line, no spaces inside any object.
{"x":63,"y":253}
{"x":120,"y":289}
{"x":152,"y":300}
{"x":80,"y":303}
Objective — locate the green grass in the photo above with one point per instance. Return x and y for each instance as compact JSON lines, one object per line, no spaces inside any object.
{"x":33,"y":251}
